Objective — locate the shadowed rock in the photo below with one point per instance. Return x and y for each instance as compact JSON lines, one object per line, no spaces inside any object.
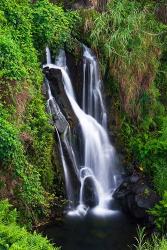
{"x":136,"y":197}
{"x":90,"y":196}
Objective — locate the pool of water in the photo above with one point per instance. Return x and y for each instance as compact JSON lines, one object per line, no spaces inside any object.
{"x":113,"y":231}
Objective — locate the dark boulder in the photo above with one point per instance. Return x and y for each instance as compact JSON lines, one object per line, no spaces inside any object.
{"x":136,"y":196}
{"x":90,"y":196}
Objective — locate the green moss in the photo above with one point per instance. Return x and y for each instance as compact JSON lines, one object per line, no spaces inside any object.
{"x":41,"y":150}
{"x":12,"y":155}
{"x":10,"y":147}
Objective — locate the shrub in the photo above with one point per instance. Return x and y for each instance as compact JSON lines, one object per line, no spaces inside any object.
{"x":12,"y":156}
{"x":159,"y":212}
{"x":13,"y":237}
{"x":17,"y":52}
{"x":10,"y":54}
{"x":51,"y":25}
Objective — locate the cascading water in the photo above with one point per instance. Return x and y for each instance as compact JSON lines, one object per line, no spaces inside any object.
{"x":97,"y":167}
{"x":92,"y":101}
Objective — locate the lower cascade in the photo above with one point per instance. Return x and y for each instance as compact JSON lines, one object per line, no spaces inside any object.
{"x":89,"y":149}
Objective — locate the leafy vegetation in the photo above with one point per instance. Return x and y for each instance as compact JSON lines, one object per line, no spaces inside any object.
{"x":160,"y":213}
{"x":18,"y":56}
{"x":26,"y":136}
{"x":13,"y":237}
{"x":155,"y":243}
{"x":125,"y":36}
{"x":51,"y":25}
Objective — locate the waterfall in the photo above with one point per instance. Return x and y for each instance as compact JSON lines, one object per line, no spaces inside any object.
{"x":96,"y":171}
{"x":48,"y":55}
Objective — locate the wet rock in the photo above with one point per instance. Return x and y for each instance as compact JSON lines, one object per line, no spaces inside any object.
{"x":55,"y":79}
{"x":58,"y":118}
{"x":134,"y":178}
{"x":90,"y":197}
{"x":75,"y":64}
{"x":136,"y":196}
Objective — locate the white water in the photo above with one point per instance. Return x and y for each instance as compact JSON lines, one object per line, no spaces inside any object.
{"x":97,"y":152}
{"x":92,"y":101}
{"x":48,"y":56}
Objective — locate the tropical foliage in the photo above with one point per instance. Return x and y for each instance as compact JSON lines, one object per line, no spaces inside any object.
{"x":26,"y":136}
{"x":14,"y":237}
